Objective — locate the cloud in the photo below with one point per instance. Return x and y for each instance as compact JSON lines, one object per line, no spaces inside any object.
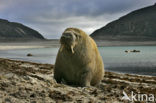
{"x":59,"y":25}
{"x":51,"y":17}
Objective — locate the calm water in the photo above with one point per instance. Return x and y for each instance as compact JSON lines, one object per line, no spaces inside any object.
{"x":115,"y":59}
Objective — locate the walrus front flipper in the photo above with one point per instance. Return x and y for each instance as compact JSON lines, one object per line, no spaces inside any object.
{"x":85,"y":79}
{"x":58,"y":80}
{"x":57,"y":77}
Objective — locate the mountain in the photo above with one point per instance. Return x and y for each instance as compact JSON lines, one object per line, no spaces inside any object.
{"x":137,"y":25}
{"x":16,"y":31}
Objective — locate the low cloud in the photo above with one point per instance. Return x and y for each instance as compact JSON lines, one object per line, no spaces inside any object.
{"x":51,"y":17}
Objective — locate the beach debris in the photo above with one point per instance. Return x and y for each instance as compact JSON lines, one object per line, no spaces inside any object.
{"x":132,"y":51}
{"x":27,"y":82}
{"x":135,"y":51}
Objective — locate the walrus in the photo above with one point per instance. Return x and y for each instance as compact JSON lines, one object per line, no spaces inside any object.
{"x":78,"y":61}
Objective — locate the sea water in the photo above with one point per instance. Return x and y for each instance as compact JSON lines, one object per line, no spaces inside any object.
{"x":115,"y":58}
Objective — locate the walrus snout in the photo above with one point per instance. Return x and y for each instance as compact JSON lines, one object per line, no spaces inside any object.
{"x":68,"y":41}
{"x":67,"y":38}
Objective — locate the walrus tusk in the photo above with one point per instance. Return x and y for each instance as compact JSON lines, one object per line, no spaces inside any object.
{"x":72,"y":49}
{"x":61,"y":48}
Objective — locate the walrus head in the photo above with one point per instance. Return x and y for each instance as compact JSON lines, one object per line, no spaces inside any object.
{"x":68,"y":40}
{"x":71,"y":38}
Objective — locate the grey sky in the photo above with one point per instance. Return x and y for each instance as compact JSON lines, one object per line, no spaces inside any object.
{"x":51,"y":17}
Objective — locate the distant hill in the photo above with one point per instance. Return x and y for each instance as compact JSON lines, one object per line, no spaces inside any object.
{"x":15,"y":31}
{"x":137,"y":25}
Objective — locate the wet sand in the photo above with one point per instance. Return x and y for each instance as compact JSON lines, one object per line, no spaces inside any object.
{"x":31,"y":44}
{"x":27,"y":82}
{"x":125,"y":43}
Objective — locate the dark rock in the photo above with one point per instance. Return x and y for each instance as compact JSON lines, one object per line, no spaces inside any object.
{"x":126,"y":51}
{"x":134,"y":51}
{"x":29,"y":54}
{"x":33,"y":95}
{"x":95,"y":92}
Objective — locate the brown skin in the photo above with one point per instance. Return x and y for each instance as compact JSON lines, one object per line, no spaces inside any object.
{"x":78,"y":60}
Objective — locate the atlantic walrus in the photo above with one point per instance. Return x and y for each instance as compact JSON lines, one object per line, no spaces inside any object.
{"x":78,"y":61}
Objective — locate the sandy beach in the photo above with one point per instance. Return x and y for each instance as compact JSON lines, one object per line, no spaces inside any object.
{"x":27,"y":82}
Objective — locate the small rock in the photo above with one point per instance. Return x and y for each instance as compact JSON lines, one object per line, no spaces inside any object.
{"x":33,"y":95}
{"x":134,"y":51}
{"x":29,"y":54}
{"x":95,"y":92}
{"x":126,"y":51}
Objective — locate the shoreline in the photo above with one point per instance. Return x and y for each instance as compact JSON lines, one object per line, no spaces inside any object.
{"x":28,"y":45}
{"x":19,"y":47}
{"x":118,"y":70}
{"x":114,"y":72}
{"x":101,"y":43}
{"x":22,"y":81}
{"x":55,"y":43}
